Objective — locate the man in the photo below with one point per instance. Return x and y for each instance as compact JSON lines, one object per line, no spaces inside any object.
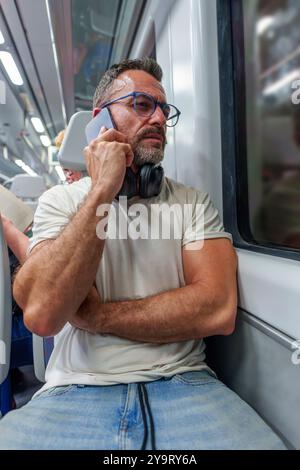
{"x":129,"y":315}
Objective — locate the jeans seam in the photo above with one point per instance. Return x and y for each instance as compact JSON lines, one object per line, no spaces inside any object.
{"x":49,"y":392}
{"x":193,"y":382}
{"x":123,"y":422}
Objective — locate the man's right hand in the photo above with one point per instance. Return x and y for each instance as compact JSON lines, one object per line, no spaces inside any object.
{"x":107,"y":157}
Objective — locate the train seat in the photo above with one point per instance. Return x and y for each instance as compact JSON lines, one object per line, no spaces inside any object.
{"x":28,"y":188}
{"x":15,"y":346}
{"x":42,"y":349}
{"x":5,"y":326}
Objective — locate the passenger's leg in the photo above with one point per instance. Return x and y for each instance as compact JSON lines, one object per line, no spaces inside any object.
{"x":196,"y":411}
{"x":70,"y":417}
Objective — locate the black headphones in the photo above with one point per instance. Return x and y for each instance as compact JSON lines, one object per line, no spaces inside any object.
{"x":147,"y":182}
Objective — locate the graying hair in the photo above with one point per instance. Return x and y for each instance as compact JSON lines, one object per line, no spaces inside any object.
{"x":146,"y":64}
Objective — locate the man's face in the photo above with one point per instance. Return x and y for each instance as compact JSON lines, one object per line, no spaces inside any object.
{"x":146,"y":135}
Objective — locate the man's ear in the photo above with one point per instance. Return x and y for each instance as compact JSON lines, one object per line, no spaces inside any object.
{"x":96,"y":111}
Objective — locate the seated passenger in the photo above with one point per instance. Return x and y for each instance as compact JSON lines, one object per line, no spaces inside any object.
{"x":72,"y":175}
{"x":128,"y":368}
{"x":18,"y":244}
{"x":16,"y":240}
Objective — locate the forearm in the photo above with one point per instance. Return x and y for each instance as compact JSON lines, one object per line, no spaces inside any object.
{"x":178,"y":315}
{"x":17,"y":242}
{"x":54,"y":281}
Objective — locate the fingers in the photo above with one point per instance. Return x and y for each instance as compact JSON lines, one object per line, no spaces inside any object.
{"x":128,"y":154}
{"x":97,"y":143}
{"x":110,"y":135}
{"x":86,"y":154}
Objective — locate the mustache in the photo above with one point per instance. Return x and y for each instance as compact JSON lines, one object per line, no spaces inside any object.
{"x":152,"y":130}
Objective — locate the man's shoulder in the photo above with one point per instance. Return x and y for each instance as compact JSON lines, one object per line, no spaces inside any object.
{"x":74,"y":191}
{"x":183,"y":193}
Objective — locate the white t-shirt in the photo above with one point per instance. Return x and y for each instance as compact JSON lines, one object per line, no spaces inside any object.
{"x":129,"y":269}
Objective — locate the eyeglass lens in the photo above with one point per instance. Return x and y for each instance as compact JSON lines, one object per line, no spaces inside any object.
{"x":145,"y":106}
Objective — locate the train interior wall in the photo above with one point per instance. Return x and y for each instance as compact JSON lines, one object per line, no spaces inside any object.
{"x":256,"y":360}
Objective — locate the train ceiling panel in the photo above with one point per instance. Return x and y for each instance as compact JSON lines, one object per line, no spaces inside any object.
{"x":61,"y":49}
{"x":30,"y":32}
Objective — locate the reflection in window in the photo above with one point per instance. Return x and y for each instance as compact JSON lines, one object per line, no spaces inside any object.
{"x":102,"y":34}
{"x":272,"y":61}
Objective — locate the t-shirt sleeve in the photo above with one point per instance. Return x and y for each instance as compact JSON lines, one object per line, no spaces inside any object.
{"x":53,"y":213}
{"x":201,"y":219}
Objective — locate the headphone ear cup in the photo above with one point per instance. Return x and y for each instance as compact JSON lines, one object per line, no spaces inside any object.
{"x":151,"y":180}
{"x":129,"y":186}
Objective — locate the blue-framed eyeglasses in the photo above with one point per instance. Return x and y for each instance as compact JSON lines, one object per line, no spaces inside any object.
{"x":145,"y":105}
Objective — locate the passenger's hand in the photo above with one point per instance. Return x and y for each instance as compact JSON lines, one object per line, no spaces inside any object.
{"x":6,"y":224}
{"x":88,"y":316}
{"x":5,"y":220}
{"x":107,"y":157}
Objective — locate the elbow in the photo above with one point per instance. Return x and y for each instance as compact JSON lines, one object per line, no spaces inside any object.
{"x":228,"y":328}
{"x":38,"y":318}
{"x":38,"y":321}
{"x":227,"y":321}
{"x":226,"y":314}
{"x":18,"y":291}
{"x":219,"y":323}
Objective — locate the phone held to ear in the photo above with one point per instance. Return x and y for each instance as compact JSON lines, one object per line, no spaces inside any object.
{"x":147,"y":182}
{"x":103,"y":119}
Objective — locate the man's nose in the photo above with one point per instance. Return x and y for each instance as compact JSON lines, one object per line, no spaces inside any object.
{"x":158,"y":117}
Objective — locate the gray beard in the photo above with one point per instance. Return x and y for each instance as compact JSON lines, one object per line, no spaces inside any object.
{"x":144,"y":155}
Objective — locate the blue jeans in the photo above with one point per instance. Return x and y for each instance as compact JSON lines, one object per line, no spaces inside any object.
{"x":192,"y":410}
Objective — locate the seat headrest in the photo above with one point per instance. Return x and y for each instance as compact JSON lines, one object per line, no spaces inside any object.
{"x":28,"y":187}
{"x":70,"y":154}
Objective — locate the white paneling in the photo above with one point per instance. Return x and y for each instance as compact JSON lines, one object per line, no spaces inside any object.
{"x":164,"y":57}
{"x":186,"y":45}
{"x":159,"y":13}
{"x":196,"y":92}
{"x":269,"y":288}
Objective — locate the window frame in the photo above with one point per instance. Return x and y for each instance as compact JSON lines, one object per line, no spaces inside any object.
{"x":234,"y":131}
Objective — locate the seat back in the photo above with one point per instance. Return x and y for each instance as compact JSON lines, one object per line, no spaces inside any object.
{"x":70,"y":154}
{"x":42,"y":349}
{"x":28,"y":187}
{"x":5,"y":309}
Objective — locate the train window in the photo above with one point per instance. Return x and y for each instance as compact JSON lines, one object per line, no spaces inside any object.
{"x":272,"y":106}
{"x":102,"y":35}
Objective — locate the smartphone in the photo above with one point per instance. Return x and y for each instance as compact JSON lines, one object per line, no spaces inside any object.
{"x":103,"y":119}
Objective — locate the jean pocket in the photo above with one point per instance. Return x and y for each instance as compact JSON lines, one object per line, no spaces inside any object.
{"x":56,"y":391}
{"x":196,"y":378}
